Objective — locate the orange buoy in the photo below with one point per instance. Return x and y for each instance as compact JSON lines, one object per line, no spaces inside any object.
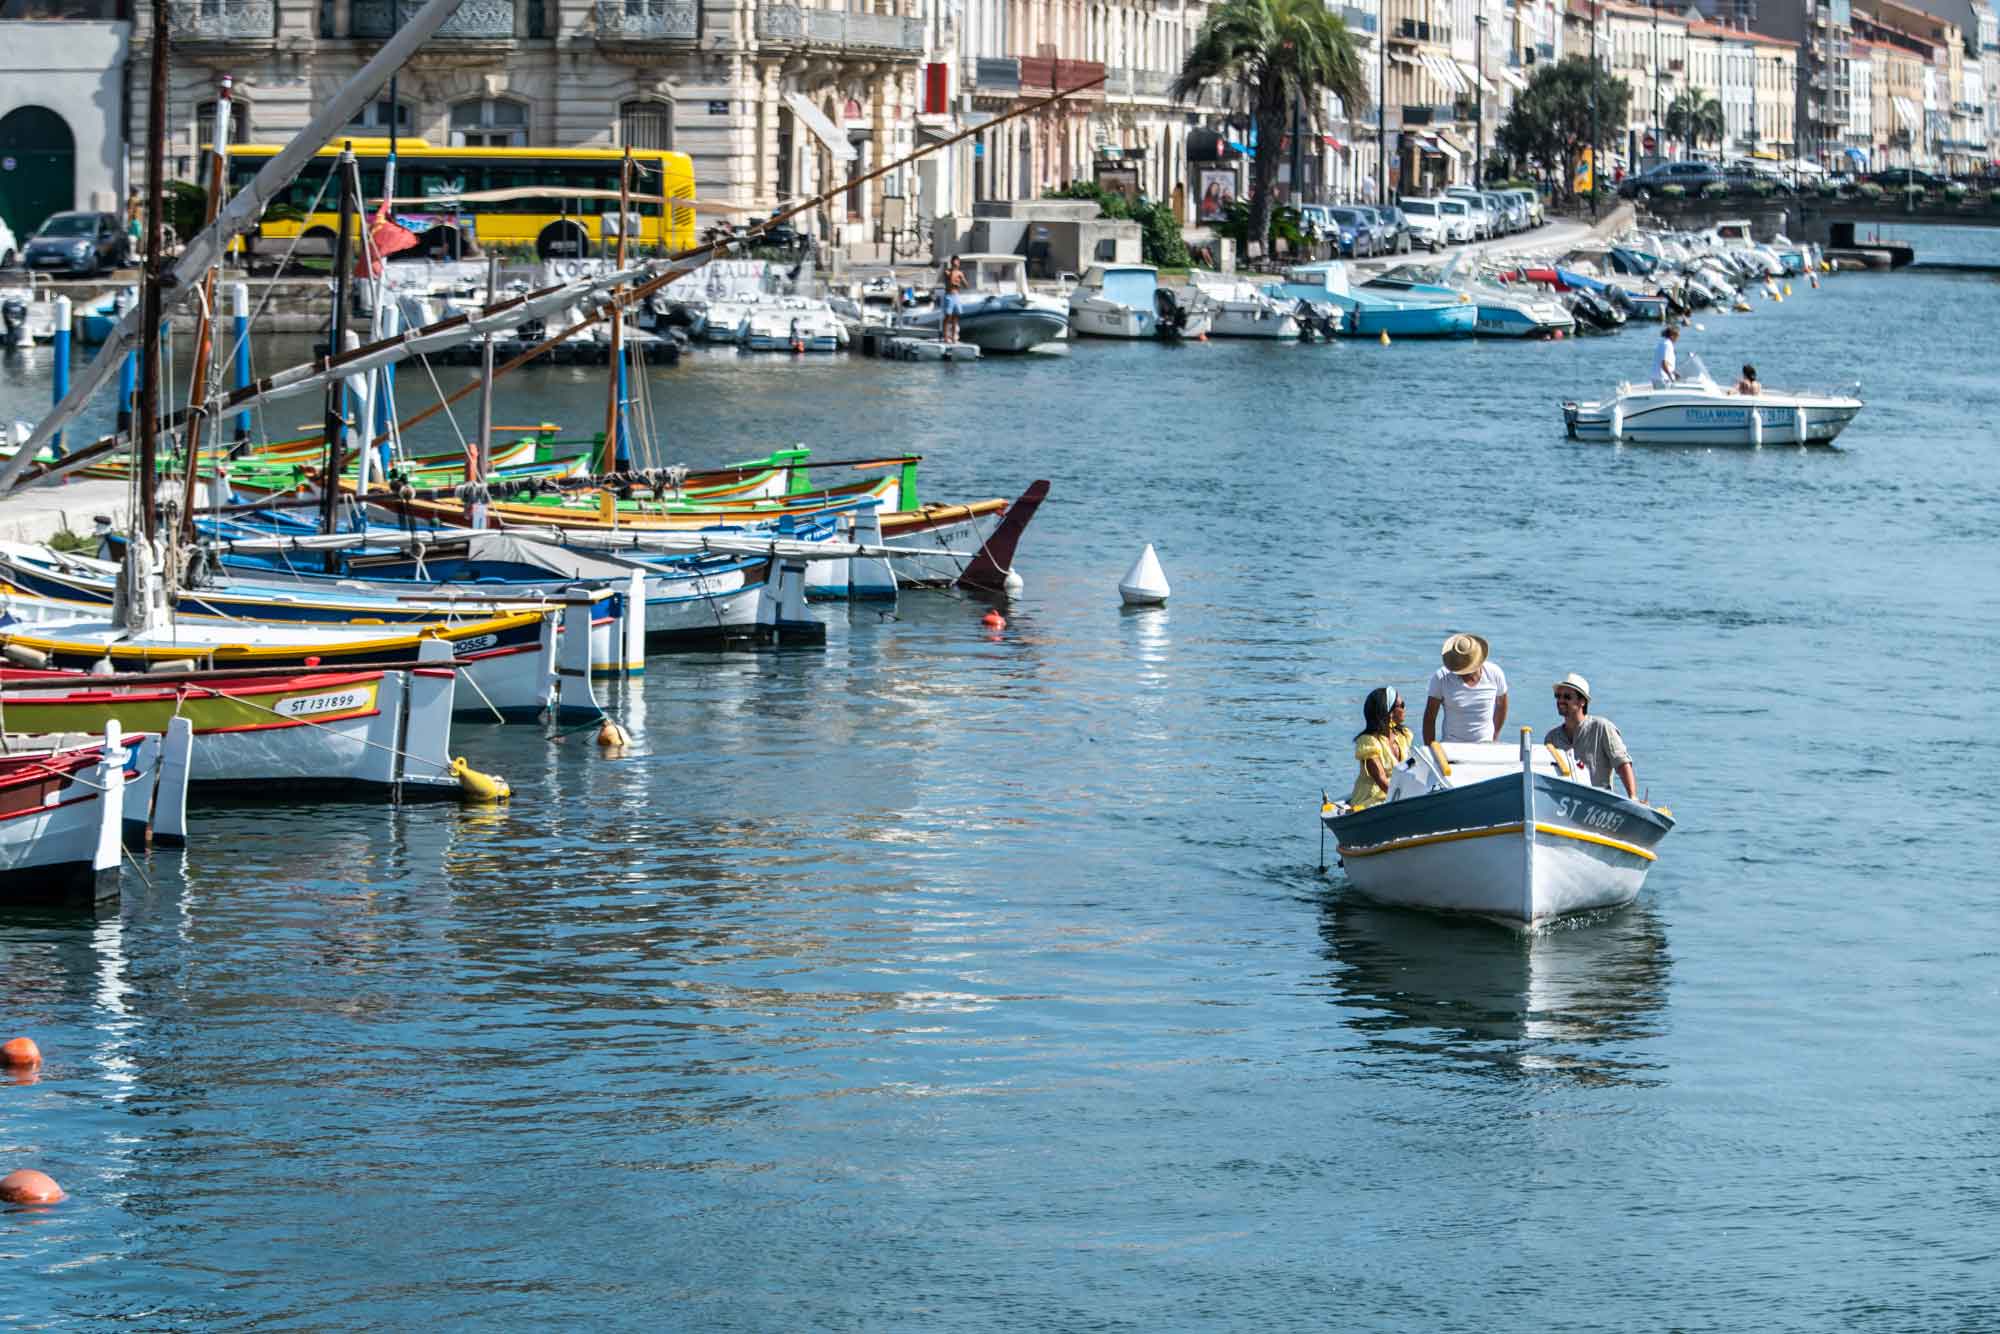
{"x":993,"y":620}
{"x":29,"y":1187}
{"x":20,"y":1053}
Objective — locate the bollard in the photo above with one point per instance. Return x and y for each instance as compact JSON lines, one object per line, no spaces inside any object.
{"x":239,"y":309}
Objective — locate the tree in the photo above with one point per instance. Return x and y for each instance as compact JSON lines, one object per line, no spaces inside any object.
{"x":1696,"y":118}
{"x":1282,"y":54}
{"x":1549,"y":124}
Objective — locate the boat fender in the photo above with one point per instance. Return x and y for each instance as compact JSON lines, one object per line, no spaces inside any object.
{"x":1799,"y":423}
{"x":171,"y":665}
{"x":1385,"y":338}
{"x":610,"y":736}
{"x":23,"y":656}
{"x":476,"y":788}
{"x":1617,"y":422}
{"x":1437,"y":753}
{"x":1756,"y":428}
{"x":1562,"y":760}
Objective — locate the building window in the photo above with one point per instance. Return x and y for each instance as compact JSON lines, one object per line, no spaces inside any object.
{"x":646,"y":125}
{"x":239,"y":122}
{"x":373,"y":119}
{"x":490,"y":123}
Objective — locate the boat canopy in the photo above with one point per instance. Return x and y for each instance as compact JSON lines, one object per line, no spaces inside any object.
{"x":1133,"y":286}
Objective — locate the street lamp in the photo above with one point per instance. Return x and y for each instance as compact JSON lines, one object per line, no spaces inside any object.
{"x":1595,"y":165}
{"x":1382,"y":102}
{"x":1479,"y":103}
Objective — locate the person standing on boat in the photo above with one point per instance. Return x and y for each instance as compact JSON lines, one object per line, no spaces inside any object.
{"x":1663,"y":357}
{"x":1469,"y":691}
{"x":1374,"y":750}
{"x":1594,"y":743}
{"x":954,"y":283}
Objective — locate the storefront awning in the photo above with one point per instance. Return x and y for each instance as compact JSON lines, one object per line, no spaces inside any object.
{"x":1436,"y":143}
{"x":1514,"y":78}
{"x":822,"y":128}
{"x":1906,"y":112}
{"x":1470,"y":73}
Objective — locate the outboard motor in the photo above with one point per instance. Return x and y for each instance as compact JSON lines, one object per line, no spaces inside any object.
{"x":1173,"y":316}
{"x":13,"y":323}
{"x":1594,"y":312}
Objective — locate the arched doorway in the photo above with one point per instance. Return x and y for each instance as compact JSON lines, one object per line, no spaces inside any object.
{"x":37,"y":168}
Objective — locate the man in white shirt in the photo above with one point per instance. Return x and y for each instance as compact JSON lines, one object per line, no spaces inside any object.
{"x":1469,"y":691}
{"x":1663,"y":358}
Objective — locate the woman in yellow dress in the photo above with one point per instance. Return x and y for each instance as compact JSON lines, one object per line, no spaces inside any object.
{"x":1375,"y":748}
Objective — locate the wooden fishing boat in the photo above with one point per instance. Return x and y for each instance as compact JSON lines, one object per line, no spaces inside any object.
{"x":377,"y":732}
{"x":61,"y":823}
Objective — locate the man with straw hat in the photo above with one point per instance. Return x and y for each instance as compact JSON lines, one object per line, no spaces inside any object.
{"x":1594,"y":743}
{"x":1469,"y":691}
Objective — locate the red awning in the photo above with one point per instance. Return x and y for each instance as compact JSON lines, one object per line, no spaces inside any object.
{"x":1332,"y":142}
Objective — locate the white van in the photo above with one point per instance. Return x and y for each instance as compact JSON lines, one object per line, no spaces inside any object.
{"x":1458,"y":220}
{"x":1429,"y":226}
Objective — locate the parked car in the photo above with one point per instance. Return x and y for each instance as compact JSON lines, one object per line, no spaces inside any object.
{"x":1690,"y":176}
{"x":1429,"y":226}
{"x":1355,"y":232}
{"x":1485,"y":223}
{"x":1531,"y":206}
{"x":1513,"y":217}
{"x":1896,"y":178}
{"x":1750,"y":180}
{"x":1458,"y":221}
{"x":1391,"y":229}
{"x":82,"y":244}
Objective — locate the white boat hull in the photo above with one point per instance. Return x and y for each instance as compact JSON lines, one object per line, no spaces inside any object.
{"x":1644,"y":416}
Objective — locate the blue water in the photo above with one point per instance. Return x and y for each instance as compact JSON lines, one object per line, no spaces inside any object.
{"x":948,"y":979}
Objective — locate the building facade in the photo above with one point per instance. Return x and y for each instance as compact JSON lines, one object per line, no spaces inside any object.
{"x":63,"y":114}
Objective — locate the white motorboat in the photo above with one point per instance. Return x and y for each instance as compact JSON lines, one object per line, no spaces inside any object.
{"x":1695,"y":410}
{"x":1240,"y":309}
{"x":997,"y":312}
{"x":1506,"y":832}
{"x":1127,"y":301}
{"x":793,"y":324}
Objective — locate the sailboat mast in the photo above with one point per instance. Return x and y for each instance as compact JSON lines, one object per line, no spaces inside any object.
{"x":202,"y":378}
{"x":336,"y":389}
{"x":614,"y":423}
{"x":148,"y":427}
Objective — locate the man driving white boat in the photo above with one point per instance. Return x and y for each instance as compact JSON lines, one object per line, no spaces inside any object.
{"x":1593,"y":743}
{"x":1663,"y":357}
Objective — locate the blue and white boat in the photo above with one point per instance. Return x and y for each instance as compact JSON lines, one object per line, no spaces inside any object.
{"x":1510,"y":833}
{"x":1500,"y":312}
{"x":1365,"y":314}
{"x":1695,"y":410}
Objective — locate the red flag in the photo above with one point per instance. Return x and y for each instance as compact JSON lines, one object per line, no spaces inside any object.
{"x":385,"y":238}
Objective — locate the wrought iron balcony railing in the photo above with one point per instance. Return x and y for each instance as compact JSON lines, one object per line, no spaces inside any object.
{"x":648,"y":20}
{"x":837,"y":27}
{"x":476,"y":20}
{"x":223,"y":20}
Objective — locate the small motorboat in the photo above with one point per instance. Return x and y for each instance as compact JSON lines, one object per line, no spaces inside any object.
{"x":1511,"y":833}
{"x":1498,"y":311}
{"x":1695,"y":410}
{"x":1127,"y":301}
{"x":1593,"y":313}
{"x":1239,"y":309}
{"x":793,"y":324}
{"x":997,"y":311}
{"x":1370,"y":314}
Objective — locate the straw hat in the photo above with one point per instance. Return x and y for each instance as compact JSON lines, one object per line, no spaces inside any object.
{"x":1576,"y":683}
{"x":1464,"y":653}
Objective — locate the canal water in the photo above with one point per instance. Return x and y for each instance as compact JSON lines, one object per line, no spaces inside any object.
{"x":950,"y":979}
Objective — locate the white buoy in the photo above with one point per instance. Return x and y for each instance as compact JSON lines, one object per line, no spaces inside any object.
{"x":1145,"y":584}
{"x":1799,"y":422}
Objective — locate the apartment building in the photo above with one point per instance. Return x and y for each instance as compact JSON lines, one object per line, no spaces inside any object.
{"x":63,"y":113}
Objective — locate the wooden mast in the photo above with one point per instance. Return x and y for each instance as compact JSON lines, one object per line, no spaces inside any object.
{"x":147,"y":519}
{"x":336,"y":390}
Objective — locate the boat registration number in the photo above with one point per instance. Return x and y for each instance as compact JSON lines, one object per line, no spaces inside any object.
{"x":338,"y":701}
{"x":1588,"y":815}
{"x":476,"y":644}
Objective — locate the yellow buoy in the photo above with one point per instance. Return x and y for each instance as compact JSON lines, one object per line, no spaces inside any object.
{"x":478,"y":788}
{"x":1385,"y":338}
{"x":611,"y":736}
{"x":1788,"y":289}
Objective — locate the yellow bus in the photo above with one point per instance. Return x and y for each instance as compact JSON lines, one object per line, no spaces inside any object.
{"x":556,"y":200}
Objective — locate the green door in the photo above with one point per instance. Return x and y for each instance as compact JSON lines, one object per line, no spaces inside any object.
{"x":37,"y":168}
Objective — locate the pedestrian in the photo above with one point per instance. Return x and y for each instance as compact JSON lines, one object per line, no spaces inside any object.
{"x":1468,"y":691}
{"x":1592,"y":743}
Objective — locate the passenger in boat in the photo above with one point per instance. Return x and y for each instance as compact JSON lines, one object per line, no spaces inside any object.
{"x":1375,"y":750}
{"x":1663,"y":357}
{"x":1593,"y":743}
{"x":954,"y":283}
{"x":1469,"y":691}
{"x":1399,"y":732}
{"x":1748,"y":384}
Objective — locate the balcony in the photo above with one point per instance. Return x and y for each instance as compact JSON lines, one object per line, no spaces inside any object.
{"x":1358,"y":19}
{"x":1070,"y":73}
{"x":1413,"y":30}
{"x":232,"y":21}
{"x":643,"y":22}
{"x":1038,"y":76}
{"x":476,"y":20}
{"x":1127,"y":81}
{"x":1429,"y":115}
{"x":996,"y":76}
{"x":794,"y":25}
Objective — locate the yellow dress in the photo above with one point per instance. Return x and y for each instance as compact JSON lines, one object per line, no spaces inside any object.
{"x":1404,"y":739}
{"x":1366,"y":791}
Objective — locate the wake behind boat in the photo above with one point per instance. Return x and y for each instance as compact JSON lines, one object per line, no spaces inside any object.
{"x":1695,"y":410}
{"x":1510,"y":833}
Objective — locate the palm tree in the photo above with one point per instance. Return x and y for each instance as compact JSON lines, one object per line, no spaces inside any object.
{"x":1696,"y":118}
{"x":1281,"y":53}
